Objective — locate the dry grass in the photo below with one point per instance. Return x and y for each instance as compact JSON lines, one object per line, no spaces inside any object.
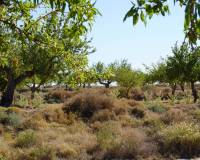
{"x":181,"y":139}
{"x":95,"y":124}
{"x":174,"y":116}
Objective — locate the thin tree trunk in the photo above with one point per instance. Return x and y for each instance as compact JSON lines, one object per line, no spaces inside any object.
{"x":33,"y":89}
{"x":173,"y":89}
{"x":182,"y":87}
{"x":194,"y":92}
{"x":107,"y":85}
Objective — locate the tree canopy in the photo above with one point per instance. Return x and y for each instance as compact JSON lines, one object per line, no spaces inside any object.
{"x":145,"y":10}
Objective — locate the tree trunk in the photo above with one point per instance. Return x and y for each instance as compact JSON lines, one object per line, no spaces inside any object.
{"x":173,"y":89}
{"x":182,"y":87}
{"x":194,"y":92}
{"x":33,"y":89}
{"x":7,"y":97}
{"x":107,"y":85}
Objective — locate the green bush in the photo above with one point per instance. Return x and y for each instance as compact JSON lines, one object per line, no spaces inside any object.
{"x":181,"y":139}
{"x":196,"y":115}
{"x":107,"y":136}
{"x":26,"y":138}
{"x":21,"y":100}
{"x":37,"y":101}
{"x":2,"y":157}
{"x":11,"y":119}
{"x":42,"y":153}
{"x":156,"y":107}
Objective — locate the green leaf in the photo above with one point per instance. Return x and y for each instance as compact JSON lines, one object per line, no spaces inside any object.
{"x":135,"y":18}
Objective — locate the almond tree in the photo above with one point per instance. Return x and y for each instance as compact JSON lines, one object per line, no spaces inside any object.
{"x":184,"y":65}
{"x":34,"y":45}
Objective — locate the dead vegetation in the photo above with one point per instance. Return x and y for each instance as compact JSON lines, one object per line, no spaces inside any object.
{"x":96,"y":124}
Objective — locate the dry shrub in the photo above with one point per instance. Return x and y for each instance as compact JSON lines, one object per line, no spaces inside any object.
{"x":86,"y":104}
{"x":196,"y":115}
{"x":124,"y":106}
{"x":69,"y":141}
{"x":129,"y":121}
{"x":54,"y":113}
{"x":59,"y":96}
{"x":180,"y":95}
{"x":103,"y":115}
{"x":173,"y":116}
{"x":5,"y":150}
{"x":137,"y":94}
{"x":152,"y":92}
{"x":165,"y":93}
{"x":181,"y":139}
{"x":34,"y":124}
{"x":26,"y":139}
{"x":133,"y":103}
{"x":108,"y":135}
{"x":123,"y":92}
{"x":121,"y":107}
{"x":130,"y":145}
{"x":138,"y":112}
{"x":187,"y":107}
{"x":39,"y":153}
{"x":153,"y":124}
{"x":96,"y":125}
{"x":65,"y":151}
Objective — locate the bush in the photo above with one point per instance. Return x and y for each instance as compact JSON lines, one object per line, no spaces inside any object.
{"x":129,"y":147}
{"x":37,"y":101}
{"x":181,"y":139}
{"x":196,"y":115}
{"x":138,"y":113}
{"x":108,"y":135}
{"x":173,"y":116}
{"x":59,"y":96}
{"x":54,"y":113}
{"x":5,"y":150}
{"x":103,"y":115}
{"x":137,"y":94}
{"x":156,"y":107}
{"x":20,"y":100}
{"x":153,"y":125}
{"x":86,"y":104}
{"x":40,"y":153}
{"x":11,"y":119}
{"x":26,"y":139}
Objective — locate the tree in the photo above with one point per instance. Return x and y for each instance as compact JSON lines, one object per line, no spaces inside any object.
{"x":36,"y":45}
{"x":104,"y":74}
{"x":184,"y":65}
{"x":145,"y":10}
{"x":126,"y":77}
{"x":162,"y":74}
